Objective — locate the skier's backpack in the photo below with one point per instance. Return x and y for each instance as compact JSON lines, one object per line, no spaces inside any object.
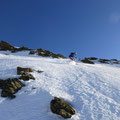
{"x":71,"y":55}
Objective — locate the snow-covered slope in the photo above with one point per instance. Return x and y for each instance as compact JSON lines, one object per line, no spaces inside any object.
{"x":93,"y":90}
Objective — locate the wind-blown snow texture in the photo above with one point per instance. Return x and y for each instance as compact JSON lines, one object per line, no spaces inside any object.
{"x":93,"y":90}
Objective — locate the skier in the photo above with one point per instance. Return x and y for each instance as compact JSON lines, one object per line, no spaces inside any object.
{"x":72,"y":56}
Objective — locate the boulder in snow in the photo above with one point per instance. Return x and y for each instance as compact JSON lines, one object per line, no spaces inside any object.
{"x":104,"y":61}
{"x":21,"y":70}
{"x":10,"y":87}
{"x":61,"y":107}
{"x":26,"y":76}
{"x":86,"y":60}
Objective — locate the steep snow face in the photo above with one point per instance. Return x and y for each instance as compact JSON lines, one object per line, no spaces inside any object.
{"x":93,"y":90}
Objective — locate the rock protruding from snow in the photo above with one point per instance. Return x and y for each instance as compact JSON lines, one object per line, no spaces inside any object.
{"x":21,"y":70}
{"x":39,"y":71}
{"x":46,"y":53}
{"x":61,"y":107}
{"x":26,"y":76}
{"x":23,"y":48}
{"x":24,"y":72}
{"x":92,"y":60}
{"x":86,"y":60}
{"x":104,"y":61}
{"x":6,"y":46}
{"x":10,"y":87}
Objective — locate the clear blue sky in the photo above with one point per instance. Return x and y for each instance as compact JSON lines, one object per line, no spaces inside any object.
{"x":89,"y":27}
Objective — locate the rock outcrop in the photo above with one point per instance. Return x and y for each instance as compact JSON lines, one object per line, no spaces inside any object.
{"x":86,"y":60}
{"x":20,"y":49}
{"x":21,"y":70}
{"x":24,"y":72}
{"x":92,"y":60}
{"x":61,"y":107}
{"x":46,"y":53}
{"x":104,"y":61}
{"x":6,"y":46}
{"x":26,"y":76}
{"x":10,"y":87}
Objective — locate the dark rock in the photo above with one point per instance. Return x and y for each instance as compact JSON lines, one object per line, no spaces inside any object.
{"x":33,"y":88}
{"x":20,"y":49}
{"x":61,"y":56}
{"x":13,"y":51}
{"x":58,"y":56}
{"x":24,"y":73}
{"x":26,"y":77}
{"x":104,"y":61}
{"x":6,"y":94}
{"x":61,"y":107}
{"x":39,"y":71}
{"x":40,"y":52}
{"x":54,"y":56}
{"x":32,"y":52}
{"x":65,"y":114}
{"x":46,"y":53}
{"x":21,"y":70}
{"x":86,"y":60}
{"x":114,"y":60}
{"x":5,"y":46}
{"x":23,"y":48}
{"x":10,"y":87}
{"x":93,"y":58}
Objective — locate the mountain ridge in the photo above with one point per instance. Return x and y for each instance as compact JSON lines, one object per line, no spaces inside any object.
{"x":4,"y":46}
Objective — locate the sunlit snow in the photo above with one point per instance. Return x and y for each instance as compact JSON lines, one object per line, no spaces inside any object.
{"x":93,"y":90}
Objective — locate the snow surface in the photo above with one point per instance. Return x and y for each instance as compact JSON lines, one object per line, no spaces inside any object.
{"x":93,"y":90}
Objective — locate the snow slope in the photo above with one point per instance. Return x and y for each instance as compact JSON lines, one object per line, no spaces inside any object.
{"x":93,"y":90}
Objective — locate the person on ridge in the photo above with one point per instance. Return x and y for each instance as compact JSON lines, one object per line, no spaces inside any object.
{"x":72,"y":56}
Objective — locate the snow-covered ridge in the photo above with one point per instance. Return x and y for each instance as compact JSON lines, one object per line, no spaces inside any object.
{"x":92,"y":89}
{"x":9,"y":49}
{"x":4,"y":46}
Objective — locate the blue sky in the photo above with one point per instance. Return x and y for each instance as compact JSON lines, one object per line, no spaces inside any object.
{"x":89,"y":27}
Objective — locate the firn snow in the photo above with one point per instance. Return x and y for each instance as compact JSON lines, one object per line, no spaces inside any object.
{"x":93,"y":90}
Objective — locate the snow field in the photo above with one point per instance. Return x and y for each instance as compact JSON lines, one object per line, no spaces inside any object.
{"x":93,"y":90}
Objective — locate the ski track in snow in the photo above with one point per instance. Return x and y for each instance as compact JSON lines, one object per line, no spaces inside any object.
{"x":93,"y":90}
